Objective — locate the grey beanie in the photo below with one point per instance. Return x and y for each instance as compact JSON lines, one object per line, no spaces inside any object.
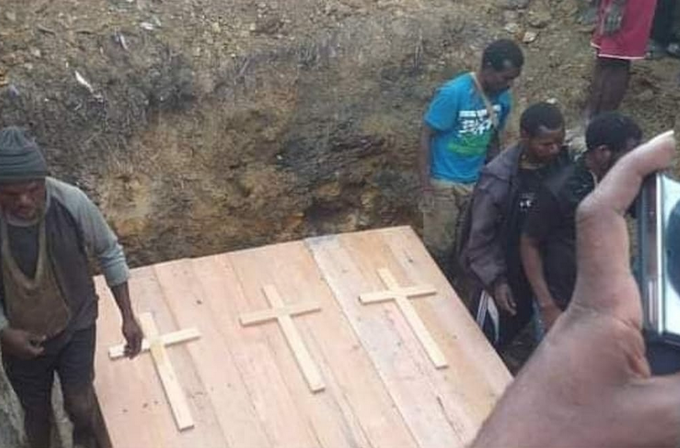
{"x":20,"y":157}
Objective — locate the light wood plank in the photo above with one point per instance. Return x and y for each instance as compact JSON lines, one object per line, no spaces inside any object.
{"x":294,"y":309}
{"x":402,"y":300}
{"x":302,"y":356}
{"x":141,"y":405}
{"x":354,"y":410}
{"x":169,"y":339}
{"x":386,"y":296}
{"x":465,"y":391}
{"x":190,"y":295}
{"x":166,"y":373}
{"x":203,"y":412}
{"x":370,"y":252}
{"x":284,"y":423}
{"x":143,"y":399}
{"x":480,"y":376}
{"x":403,"y":374}
{"x":359,"y":396}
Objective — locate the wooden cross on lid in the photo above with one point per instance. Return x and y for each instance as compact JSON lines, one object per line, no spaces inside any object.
{"x":283,"y":314}
{"x":401,"y":296}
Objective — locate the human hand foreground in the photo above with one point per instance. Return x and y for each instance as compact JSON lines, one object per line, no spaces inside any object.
{"x":589,"y":384}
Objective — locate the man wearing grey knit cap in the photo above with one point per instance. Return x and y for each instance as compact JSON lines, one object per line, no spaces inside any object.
{"x":48,"y":304}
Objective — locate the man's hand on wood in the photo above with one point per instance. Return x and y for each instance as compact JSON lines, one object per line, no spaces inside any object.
{"x":133,"y":337}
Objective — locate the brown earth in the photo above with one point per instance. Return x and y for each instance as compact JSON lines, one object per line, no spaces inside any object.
{"x":210,"y":126}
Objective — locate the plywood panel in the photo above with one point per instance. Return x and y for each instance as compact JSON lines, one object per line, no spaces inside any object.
{"x":356,"y":408}
{"x":243,"y":385}
{"x":123,"y":397}
{"x":190,"y":303}
{"x":148,"y":402}
{"x":476,"y":356}
{"x":386,"y":336}
{"x":283,"y":422}
{"x":465,"y":390}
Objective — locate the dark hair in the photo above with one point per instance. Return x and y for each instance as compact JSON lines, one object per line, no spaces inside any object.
{"x":613,"y":130}
{"x":499,"y":53}
{"x":546,"y":115}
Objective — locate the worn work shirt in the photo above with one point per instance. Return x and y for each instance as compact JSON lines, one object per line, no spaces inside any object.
{"x":75,"y":229}
{"x":463,"y":129}
{"x":552,"y":222}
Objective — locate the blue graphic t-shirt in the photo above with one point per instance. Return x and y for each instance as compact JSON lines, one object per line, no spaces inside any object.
{"x":463,"y":129}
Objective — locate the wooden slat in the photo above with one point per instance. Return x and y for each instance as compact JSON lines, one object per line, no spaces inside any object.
{"x":402,"y":371}
{"x":136,"y":402}
{"x":191,"y":289}
{"x":465,"y":390}
{"x":243,"y":386}
{"x":302,"y":356}
{"x":169,"y":339}
{"x":196,"y":393}
{"x":173,"y":390}
{"x":295,"y":309}
{"x":277,"y":408}
{"x":142,"y":404}
{"x":386,"y":296}
{"x":355,"y":410}
{"x":370,"y":252}
{"x":414,"y":320}
{"x":479,"y":367}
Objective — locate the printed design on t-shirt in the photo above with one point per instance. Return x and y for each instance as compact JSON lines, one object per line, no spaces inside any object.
{"x":474,"y":132}
{"x":526,"y":201}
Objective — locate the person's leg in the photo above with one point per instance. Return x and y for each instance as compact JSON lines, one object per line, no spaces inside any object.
{"x":458,"y":275}
{"x":439,"y":224}
{"x":32,"y":382}
{"x":662,"y":26}
{"x":75,"y":368}
{"x":610,"y":81}
{"x":595,"y":92}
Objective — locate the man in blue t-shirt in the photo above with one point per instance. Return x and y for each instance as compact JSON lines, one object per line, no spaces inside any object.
{"x":460,"y":131}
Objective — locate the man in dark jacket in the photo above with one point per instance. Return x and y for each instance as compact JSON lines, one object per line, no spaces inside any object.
{"x":48,"y":304}
{"x":504,"y":194}
{"x":548,"y":242}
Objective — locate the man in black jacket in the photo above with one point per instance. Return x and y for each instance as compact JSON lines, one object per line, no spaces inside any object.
{"x":504,"y":194}
{"x":548,"y":243}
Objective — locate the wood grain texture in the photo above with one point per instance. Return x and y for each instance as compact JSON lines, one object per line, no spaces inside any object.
{"x":243,"y":385}
{"x":401,"y":297}
{"x":166,"y":373}
{"x":169,"y":339}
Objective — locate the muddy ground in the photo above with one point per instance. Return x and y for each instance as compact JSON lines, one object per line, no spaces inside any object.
{"x":205,"y":126}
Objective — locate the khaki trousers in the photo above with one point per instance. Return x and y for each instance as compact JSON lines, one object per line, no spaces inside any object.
{"x":442,"y":213}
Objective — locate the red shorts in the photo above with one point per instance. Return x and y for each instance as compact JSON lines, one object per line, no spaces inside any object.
{"x":630,"y":42}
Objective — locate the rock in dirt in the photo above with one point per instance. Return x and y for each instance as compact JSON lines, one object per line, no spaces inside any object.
{"x":539,"y":18}
{"x":514,"y":4}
